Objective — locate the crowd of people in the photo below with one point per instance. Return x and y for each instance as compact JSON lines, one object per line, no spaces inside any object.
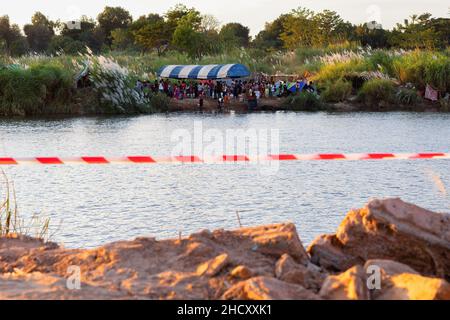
{"x":226,"y":90}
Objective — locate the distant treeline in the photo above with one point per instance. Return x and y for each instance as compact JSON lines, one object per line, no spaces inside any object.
{"x":189,"y":31}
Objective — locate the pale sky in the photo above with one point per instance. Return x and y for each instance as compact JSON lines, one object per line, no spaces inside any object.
{"x":252,"y":13}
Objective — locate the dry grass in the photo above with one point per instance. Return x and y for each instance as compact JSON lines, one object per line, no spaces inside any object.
{"x":10,"y":221}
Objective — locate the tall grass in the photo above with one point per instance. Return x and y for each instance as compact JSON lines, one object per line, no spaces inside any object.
{"x":377,"y":91}
{"x":28,"y":91}
{"x":424,"y":67}
{"x":43,"y":85}
{"x":10,"y":221}
{"x":115,"y":86}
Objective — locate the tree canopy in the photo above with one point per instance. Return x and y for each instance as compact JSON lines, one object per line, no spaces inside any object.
{"x":188,"y":30}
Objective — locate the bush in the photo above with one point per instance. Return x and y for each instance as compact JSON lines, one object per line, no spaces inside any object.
{"x":376,"y":91}
{"x":29,"y":91}
{"x":337,"y":91}
{"x":382,"y":61}
{"x":304,"y":101}
{"x":407,"y":96}
{"x":422,"y":68}
{"x":160,"y":102}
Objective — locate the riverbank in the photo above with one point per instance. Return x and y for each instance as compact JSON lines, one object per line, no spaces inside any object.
{"x":408,"y":247}
{"x":348,"y":80}
{"x":85,"y":103}
{"x":289,"y":104}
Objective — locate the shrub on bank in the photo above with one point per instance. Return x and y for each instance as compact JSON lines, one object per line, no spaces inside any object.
{"x":337,"y":91}
{"x":422,"y":68}
{"x":377,"y":91}
{"x":160,"y":102}
{"x":30,"y":91}
{"x":407,"y":96}
{"x":304,"y":101}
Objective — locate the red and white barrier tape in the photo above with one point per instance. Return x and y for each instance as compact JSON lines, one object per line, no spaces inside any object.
{"x":221,"y":159}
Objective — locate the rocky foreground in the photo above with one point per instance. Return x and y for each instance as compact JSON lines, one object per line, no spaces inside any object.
{"x":408,"y":247}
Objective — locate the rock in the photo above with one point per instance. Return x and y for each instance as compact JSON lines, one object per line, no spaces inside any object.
{"x":310,"y":277}
{"x":389,"y":268}
{"x":350,"y":285}
{"x":264,"y":288}
{"x":277,"y":240}
{"x":189,"y":268}
{"x":326,"y":252}
{"x":400,"y":282}
{"x":213,"y":267}
{"x":38,"y":286}
{"x":286,"y":267}
{"x":241,"y":273}
{"x":392,"y":230}
{"x":413,"y":287}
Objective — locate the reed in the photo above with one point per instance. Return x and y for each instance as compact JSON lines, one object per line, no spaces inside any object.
{"x":10,"y":221}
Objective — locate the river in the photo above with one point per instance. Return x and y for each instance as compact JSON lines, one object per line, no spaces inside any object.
{"x":92,"y":205}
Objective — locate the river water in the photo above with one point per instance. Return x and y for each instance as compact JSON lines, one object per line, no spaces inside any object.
{"x":93,"y":205}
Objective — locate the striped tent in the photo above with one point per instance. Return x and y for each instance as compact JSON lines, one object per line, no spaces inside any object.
{"x":207,"y":72}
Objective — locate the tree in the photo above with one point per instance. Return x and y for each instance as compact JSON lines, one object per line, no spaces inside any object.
{"x":151,"y":32}
{"x":328,"y":24}
{"x":300,"y":29}
{"x":188,"y":38}
{"x":442,"y":28}
{"x":40,"y":32}
{"x":89,"y":34}
{"x":122,"y":39}
{"x":235,"y":35}
{"x":66,"y":44}
{"x":209,"y":23}
{"x":176,"y":14}
{"x":416,"y":32}
{"x":375,"y":38}
{"x":269,"y":38}
{"x":113,"y":18}
{"x":10,"y":36}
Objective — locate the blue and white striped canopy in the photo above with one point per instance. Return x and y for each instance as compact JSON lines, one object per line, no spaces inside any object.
{"x":207,"y":72}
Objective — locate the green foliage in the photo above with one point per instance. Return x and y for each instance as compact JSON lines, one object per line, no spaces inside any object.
{"x":28,"y":92}
{"x":112,"y":18}
{"x":376,"y":91}
{"x":151,"y":32}
{"x":235,"y":35}
{"x":407,"y":96}
{"x":187,"y":38}
{"x":424,"y":67}
{"x":160,"y":102}
{"x":421,"y":32}
{"x":306,"y":28}
{"x":269,"y":38}
{"x":90,"y":34}
{"x":66,"y":45}
{"x":337,"y":91}
{"x":304,"y":101}
{"x":40,"y":32}
{"x":11,"y":40}
{"x":382,"y":60}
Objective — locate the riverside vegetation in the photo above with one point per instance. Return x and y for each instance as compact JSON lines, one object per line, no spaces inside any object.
{"x":369,"y":68}
{"x":373,"y":79}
